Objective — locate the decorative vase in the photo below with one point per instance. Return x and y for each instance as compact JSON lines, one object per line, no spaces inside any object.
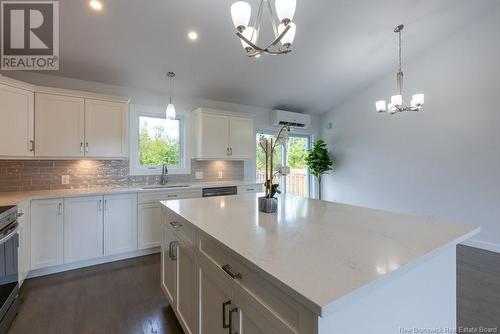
{"x":268,"y":205}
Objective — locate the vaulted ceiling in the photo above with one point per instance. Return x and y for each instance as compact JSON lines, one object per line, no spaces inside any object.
{"x":340,"y":47}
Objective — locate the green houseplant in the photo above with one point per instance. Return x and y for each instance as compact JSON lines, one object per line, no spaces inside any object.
{"x":319,"y":162}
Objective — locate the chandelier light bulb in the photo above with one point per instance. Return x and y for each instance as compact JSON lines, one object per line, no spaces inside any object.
{"x":241,"y":12}
{"x":285,"y":9}
{"x":287,"y":40}
{"x":381,"y":106}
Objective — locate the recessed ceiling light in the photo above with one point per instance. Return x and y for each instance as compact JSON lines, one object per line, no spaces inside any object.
{"x":193,"y":35}
{"x":95,"y":5}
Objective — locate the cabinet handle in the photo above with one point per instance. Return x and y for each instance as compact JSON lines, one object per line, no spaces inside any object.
{"x":105,"y":204}
{"x":172,"y":196}
{"x":32,"y":146}
{"x":87,"y":147}
{"x":224,"y":305}
{"x":234,"y":275}
{"x":230,"y":151}
{"x":100,"y":205}
{"x":176,"y":224}
{"x":81,"y":147}
{"x":59,"y":212}
{"x":171,"y":254}
{"x":250,"y":189}
{"x":233,"y":310}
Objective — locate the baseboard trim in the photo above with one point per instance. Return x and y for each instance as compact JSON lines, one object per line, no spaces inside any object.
{"x":91,"y":262}
{"x":489,"y":246}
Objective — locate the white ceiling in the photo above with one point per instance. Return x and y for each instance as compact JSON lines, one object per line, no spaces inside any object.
{"x":340,"y":47}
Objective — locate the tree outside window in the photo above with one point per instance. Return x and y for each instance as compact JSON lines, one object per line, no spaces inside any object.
{"x":159,"y":142}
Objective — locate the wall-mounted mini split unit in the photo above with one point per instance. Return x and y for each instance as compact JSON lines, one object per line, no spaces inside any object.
{"x":293,"y":119}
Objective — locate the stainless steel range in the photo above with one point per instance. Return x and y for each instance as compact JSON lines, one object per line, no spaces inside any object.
{"x":9,"y":287}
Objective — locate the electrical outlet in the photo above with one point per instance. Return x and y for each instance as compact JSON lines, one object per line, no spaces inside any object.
{"x":198,"y":175}
{"x":219,"y":175}
{"x":65,"y":179}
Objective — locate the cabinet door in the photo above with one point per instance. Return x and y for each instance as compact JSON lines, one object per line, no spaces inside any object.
{"x":83,"y":228}
{"x":213,"y":136}
{"x":24,"y":242}
{"x":187,"y":296}
{"x":59,"y":126}
{"x":46,"y":233}
{"x":241,"y":138}
{"x":168,"y":265}
{"x":105,"y":129}
{"x":215,"y":299}
{"x":253,"y":317}
{"x":149,"y":233}
{"x":16,"y":122}
{"x":120,"y":223}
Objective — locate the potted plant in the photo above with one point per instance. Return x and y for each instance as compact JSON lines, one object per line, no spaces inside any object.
{"x":319,"y":161}
{"x":269,"y":203}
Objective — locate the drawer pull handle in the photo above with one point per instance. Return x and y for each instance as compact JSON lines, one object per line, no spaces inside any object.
{"x":224,"y":324}
{"x":171,"y":254}
{"x":227,"y":268}
{"x":172,"y":196}
{"x":250,"y":189}
{"x":176,"y":224}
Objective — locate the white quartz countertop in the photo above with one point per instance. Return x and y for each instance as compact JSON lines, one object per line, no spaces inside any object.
{"x":325,"y":252}
{"x":16,"y":198}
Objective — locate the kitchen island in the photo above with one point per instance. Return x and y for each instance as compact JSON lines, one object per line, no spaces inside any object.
{"x":313,"y":267}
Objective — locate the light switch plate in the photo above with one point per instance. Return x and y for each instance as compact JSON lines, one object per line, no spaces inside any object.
{"x":198,"y":175}
{"x":219,"y":175}
{"x":65,"y":179}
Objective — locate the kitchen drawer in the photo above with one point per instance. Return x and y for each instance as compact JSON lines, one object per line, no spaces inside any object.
{"x":180,"y":227}
{"x":267,"y":293}
{"x":155,"y":197}
{"x":252,"y":188}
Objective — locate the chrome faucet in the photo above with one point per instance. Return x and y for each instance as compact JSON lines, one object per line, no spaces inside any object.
{"x":164,"y":174}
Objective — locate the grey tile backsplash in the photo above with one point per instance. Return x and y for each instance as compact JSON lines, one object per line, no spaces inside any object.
{"x":25,"y":175}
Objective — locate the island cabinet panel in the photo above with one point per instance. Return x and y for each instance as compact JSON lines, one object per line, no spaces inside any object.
{"x":46,"y":233}
{"x":169,"y":266}
{"x":214,"y":299}
{"x":120,"y":223}
{"x":83,"y":228}
{"x":187,"y":298}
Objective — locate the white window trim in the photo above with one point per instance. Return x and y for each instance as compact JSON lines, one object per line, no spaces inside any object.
{"x":185,"y":136}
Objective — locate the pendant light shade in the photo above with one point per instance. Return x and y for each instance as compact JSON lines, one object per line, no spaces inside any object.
{"x":285,"y":9}
{"x":170,"y":112}
{"x":287,"y":40}
{"x":241,"y":12}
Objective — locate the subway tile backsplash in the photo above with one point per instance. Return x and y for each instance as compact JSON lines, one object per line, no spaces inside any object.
{"x":26,"y":175}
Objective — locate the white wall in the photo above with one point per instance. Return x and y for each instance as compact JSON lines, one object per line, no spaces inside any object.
{"x":159,"y":99}
{"x":443,"y":162}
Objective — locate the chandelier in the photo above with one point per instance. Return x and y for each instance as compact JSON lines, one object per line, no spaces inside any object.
{"x":283,"y":27}
{"x":398,"y":103}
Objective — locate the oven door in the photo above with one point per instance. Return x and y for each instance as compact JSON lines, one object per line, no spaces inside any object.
{"x":9,"y":243}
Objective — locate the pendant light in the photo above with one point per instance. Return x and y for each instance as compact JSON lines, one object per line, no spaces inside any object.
{"x":170,"y":112}
{"x":397,"y":103}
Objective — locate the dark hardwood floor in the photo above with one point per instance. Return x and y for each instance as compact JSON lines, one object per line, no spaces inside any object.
{"x":125,"y":297}
{"x":119,"y":297}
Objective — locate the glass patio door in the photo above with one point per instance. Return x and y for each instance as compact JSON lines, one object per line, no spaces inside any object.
{"x":293,"y":156}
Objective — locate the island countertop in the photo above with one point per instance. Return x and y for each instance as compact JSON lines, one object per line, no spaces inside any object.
{"x":323,"y":251}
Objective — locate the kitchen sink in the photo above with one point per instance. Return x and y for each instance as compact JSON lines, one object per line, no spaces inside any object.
{"x":159,"y":186}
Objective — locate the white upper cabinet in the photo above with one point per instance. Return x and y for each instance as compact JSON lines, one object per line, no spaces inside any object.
{"x":105,"y":129}
{"x":59,"y":126}
{"x":16,"y":121}
{"x":241,"y":138}
{"x":223,"y":135}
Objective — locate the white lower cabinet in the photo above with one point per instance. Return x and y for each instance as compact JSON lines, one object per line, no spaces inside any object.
{"x":83,"y":228}
{"x":120,"y":223}
{"x":47,"y":238}
{"x":24,"y":255}
{"x":169,"y":266}
{"x":187,"y":294}
{"x":149,"y":225}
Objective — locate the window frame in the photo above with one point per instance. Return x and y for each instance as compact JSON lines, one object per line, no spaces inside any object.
{"x":184,"y":141}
